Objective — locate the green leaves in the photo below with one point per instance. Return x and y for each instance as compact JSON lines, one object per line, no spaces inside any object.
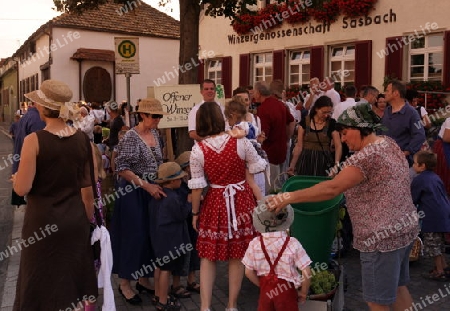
{"x":79,"y":6}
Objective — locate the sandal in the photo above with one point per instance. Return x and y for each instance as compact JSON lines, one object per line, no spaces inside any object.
{"x":193,"y":287}
{"x":441,"y":277}
{"x":155,"y":300}
{"x":180,"y":292}
{"x":167,"y":306}
{"x":171,"y":300}
{"x":446,"y":271}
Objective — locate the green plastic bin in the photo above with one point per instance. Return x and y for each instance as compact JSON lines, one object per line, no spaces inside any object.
{"x":314,"y":223}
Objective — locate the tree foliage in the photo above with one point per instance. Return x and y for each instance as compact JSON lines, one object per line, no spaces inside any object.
{"x":227,"y":8}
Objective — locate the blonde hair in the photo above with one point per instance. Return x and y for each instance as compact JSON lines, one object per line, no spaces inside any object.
{"x":237,"y":106}
{"x":98,"y":158}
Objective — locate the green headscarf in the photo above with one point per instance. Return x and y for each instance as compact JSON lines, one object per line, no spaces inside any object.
{"x":362,"y":116}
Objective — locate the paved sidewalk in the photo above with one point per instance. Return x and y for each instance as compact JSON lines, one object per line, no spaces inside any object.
{"x":428,"y":295}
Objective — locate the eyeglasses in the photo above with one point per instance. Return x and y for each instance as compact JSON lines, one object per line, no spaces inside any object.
{"x":154,"y":116}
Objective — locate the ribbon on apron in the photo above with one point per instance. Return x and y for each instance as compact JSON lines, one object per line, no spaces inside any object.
{"x":228,"y":194}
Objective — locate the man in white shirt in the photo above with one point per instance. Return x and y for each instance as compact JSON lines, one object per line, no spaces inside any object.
{"x":329,"y":90}
{"x":370,"y":95}
{"x":86,"y":124}
{"x":208,"y":91}
{"x":350,"y":93}
{"x":315,"y":93}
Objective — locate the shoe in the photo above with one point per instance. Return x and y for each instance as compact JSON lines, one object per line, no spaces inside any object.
{"x":193,"y":287}
{"x":141,"y":288}
{"x":180,"y":292}
{"x":441,"y":277}
{"x":155,"y":300}
{"x":167,"y":306}
{"x":171,"y":300}
{"x":135,"y":300}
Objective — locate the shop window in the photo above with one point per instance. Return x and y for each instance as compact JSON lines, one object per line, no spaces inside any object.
{"x":426,"y":58}
{"x":262,"y":67}
{"x":299,"y":67}
{"x":214,"y":70}
{"x":342,"y":64}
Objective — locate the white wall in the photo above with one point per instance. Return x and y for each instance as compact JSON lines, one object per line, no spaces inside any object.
{"x":32,"y":65}
{"x":157,"y":55}
{"x":410,"y":15}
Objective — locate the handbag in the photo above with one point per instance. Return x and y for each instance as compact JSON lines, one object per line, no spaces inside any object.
{"x":416,"y":250}
{"x":97,"y":216}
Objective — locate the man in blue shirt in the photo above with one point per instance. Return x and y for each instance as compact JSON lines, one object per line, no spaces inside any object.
{"x":402,"y":121}
{"x":29,"y":123}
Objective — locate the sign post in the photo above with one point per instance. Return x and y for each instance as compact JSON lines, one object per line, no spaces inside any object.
{"x":127,"y":60}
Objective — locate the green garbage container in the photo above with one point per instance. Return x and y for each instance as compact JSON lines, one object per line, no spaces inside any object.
{"x":314,"y":223}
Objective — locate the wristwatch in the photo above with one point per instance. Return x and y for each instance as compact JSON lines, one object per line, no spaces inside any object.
{"x":195,"y":214}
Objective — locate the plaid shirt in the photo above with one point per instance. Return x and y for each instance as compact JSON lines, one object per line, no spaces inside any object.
{"x":294,"y":257}
{"x":136,"y":156}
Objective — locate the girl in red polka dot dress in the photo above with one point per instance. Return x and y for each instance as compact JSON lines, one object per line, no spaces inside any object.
{"x":224,"y":221}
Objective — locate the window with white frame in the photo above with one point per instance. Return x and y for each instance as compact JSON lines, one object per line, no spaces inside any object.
{"x":426,"y":58}
{"x":263,"y":3}
{"x":262,"y":67}
{"x":214,"y":70}
{"x":342,"y":64}
{"x":299,"y":67}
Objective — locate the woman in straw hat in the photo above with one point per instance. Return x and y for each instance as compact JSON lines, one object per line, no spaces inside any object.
{"x":376,"y":183}
{"x":139,"y":155}
{"x":56,"y":267}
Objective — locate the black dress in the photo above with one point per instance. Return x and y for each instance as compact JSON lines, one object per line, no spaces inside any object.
{"x":57,"y":267}
{"x":316,"y":156}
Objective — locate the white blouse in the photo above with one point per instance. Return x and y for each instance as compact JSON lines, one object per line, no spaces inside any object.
{"x":445,"y":126}
{"x":245,"y":151}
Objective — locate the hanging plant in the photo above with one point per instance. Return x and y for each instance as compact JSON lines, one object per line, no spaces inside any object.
{"x":293,"y":91}
{"x":243,"y":23}
{"x":326,"y":11}
{"x":296,"y":16}
{"x":356,"y":8}
{"x":434,"y":101}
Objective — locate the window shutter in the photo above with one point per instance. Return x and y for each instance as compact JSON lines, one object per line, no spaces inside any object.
{"x":317,"y":62}
{"x":363,"y":63}
{"x":446,"y":77}
{"x":226,"y":75}
{"x":278,"y":65}
{"x":201,"y":71}
{"x":394,"y":58}
{"x":244,"y":70}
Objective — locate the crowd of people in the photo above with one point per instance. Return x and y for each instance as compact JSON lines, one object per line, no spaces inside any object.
{"x":203,"y":207}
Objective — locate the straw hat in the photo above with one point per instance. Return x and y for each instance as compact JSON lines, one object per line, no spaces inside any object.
{"x":267,"y":221}
{"x":183,"y":159}
{"x":150,"y":105}
{"x":169,"y":171}
{"x":52,"y":94}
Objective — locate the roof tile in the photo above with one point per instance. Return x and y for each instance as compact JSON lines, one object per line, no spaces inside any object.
{"x":140,"y":20}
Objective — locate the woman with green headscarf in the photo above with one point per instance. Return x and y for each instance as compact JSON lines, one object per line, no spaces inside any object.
{"x":376,"y":184}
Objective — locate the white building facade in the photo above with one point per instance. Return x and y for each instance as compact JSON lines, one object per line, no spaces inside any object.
{"x":403,"y":39}
{"x":80,"y":51}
